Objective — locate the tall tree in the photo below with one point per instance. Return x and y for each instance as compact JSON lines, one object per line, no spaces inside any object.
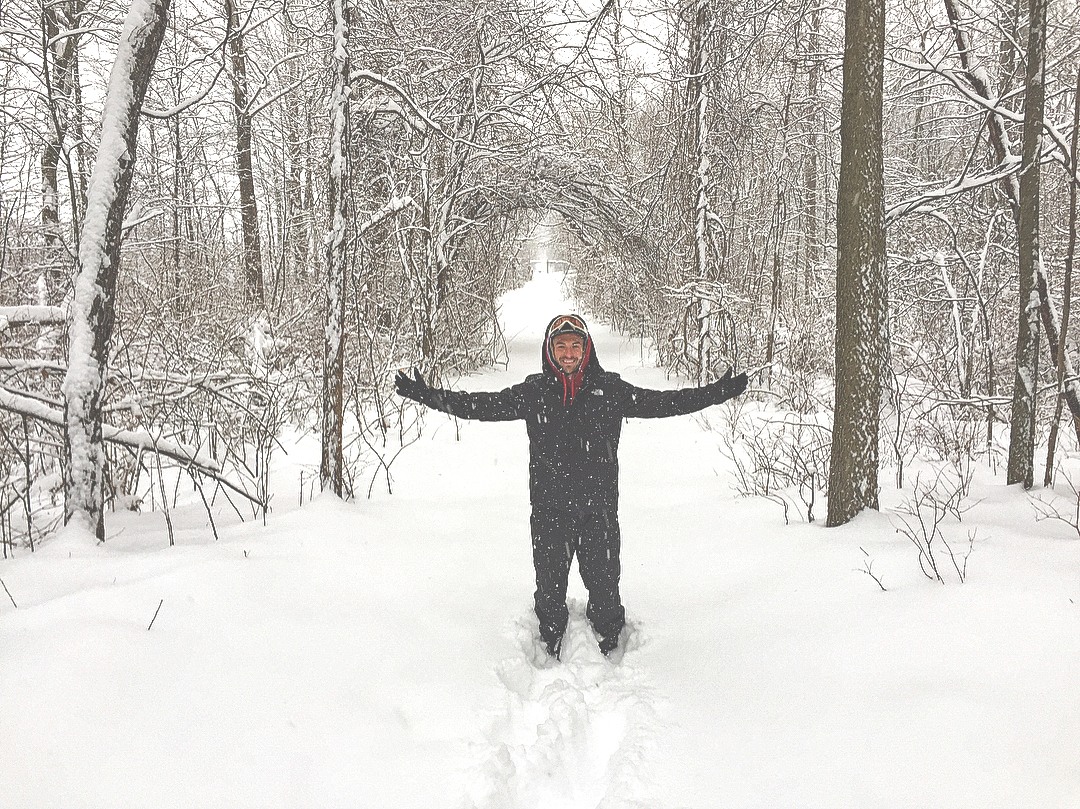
{"x":336,"y":259}
{"x":861,"y":304}
{"x":1066,"y":296}
{"x":1021,"y":467}
{"x":697,"y":103}
{"x":91,"y":328}
{"x":249,"y":212}
{"x":60,"y":41}
{"x":811,"y":167}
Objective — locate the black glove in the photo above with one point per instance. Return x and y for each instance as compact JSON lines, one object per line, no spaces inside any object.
{"x":727,"y":387}
{"x":412,"y":387}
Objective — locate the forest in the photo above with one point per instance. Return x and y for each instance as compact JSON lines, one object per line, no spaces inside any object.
{"x":223,"y":223}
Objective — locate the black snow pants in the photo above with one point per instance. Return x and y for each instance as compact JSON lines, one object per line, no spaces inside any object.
{"x":594,"y":537}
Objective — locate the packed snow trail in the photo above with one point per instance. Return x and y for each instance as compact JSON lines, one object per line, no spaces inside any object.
{"x":578,"y":732}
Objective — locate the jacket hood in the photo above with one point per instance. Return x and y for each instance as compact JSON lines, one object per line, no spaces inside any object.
{"x":547,"y":359}
{"x":571,"y":382}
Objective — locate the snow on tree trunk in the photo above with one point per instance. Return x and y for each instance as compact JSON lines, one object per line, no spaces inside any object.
{"x":334,"y":343}
{"x":1021,"y":468}
{"x":861,"y":305}
{"x":90,"y":331}
{"x":704,"y":266}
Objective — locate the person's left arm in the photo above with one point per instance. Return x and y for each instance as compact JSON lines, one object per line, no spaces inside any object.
{"x":645,"y":403}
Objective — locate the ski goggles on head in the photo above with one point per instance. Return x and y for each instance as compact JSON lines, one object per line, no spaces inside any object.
{"x":567,"y":324}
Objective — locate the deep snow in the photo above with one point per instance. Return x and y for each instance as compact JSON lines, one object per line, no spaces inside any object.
{"x":381,"y":653}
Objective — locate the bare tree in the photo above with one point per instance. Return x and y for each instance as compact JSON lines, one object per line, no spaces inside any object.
{"x":249,"y":212}
{"x":1066,"y":305}
{"x":861,"y":304}
{"x":91,"y":327}
{"x":60,"y":42}
{"x":1022,"y":427}
{"x":700,"y":24}
{"x":978,"y":88}
{"x":336,"y":260}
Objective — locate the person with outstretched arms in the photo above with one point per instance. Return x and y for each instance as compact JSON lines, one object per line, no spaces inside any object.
{"x":573,"y":412}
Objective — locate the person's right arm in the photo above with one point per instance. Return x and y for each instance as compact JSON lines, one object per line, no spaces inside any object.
{"x":503,"y":405}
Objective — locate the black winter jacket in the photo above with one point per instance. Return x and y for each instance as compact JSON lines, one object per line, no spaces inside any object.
{"x":573,"y":447}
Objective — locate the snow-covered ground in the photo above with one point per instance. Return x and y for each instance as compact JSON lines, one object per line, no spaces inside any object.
{"x":381,"y":653}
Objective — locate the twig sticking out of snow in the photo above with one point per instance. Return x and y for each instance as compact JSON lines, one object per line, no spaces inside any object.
{"x":868,"y":569}
{"x":155,"y":614}
{"x":6,"y":590}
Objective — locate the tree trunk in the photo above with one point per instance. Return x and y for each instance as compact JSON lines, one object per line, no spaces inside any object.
{"x":59,"y":63}
{"x":330,"y":470}
{"x":178,"y":189}
{"x":90,"y":332}
{"x":296,"y":208}
{"x":1021,"y":468}
{"x":811,"y":170}
{"x":697,"y":104}
{"x":861,"y":304}
{"x":249,"y":213}
{"x":1066,"y":295}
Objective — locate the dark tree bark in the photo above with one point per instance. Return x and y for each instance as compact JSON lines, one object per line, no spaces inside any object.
{"x":249,"y":212}
{"x":60,"y":62}
{"x":861,"y":304}
{"x":330,"y":470}
{"x":1021,"y":468}
{"x":90,"y":332}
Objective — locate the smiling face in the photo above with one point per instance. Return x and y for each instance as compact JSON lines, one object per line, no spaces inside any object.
{"x":567,"y":350}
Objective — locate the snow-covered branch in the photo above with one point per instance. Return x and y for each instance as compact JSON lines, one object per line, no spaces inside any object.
{"x":962,"y":186}
{"x":191,"y":101}
{"x":391,"y":208}
{"x":31,"y":315}
{"x":959,"y":81}
{"x":400,"y":92}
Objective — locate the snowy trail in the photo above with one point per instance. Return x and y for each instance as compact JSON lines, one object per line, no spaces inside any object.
{"x":580,"y":732}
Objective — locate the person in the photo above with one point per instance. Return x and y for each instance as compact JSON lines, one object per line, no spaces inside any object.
{"x":573,"y":411}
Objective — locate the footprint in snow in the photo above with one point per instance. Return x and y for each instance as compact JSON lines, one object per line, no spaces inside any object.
{"x":577,"y":732}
